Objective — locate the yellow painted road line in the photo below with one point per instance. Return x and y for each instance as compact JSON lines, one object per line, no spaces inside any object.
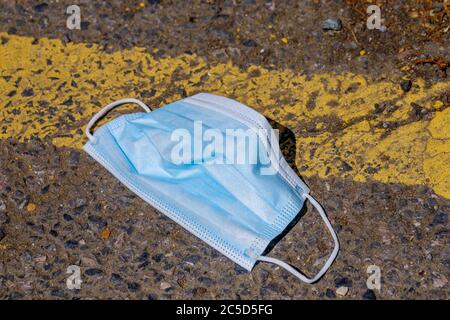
{"x":345,"y":125}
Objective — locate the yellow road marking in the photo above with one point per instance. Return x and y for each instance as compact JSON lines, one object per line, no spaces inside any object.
{"x":344,"y":124}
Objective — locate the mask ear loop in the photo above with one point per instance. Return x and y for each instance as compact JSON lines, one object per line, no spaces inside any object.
{"x":327,"y":264}
{"x":108,"y":108}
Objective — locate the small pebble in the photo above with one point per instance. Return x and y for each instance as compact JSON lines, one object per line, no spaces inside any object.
{"x":45,"y":189}
{"x":133,"y":286}
{"x":79,"y":210}
{"x":440,"y":218}
{"x":192,"y":259}
{"x":165,"y":285}
{"x":40,"y":7}
{"x":93,"y":272}
{"x":330,"y":293}
{"x":343,"y":282}
{"x":157,"y":257}
{"x":439,"y":280}
{"x":89,"y":262}
{"x":143,"y":257}
{"x":342,"y":291}
{"x":56,"y":292}
{"x":3,"y":217}
{"x":369,"y":295}
{"x":31,"y":207}
{"x":2,"y":206}
{"x":74,"y":158}
{"x":27,"y":257}
{"x":105,"y":234}
{"x":40,"y":259}
{"x":99,"y":221}
{"x":116,"y":278}
{"x":332,"y":24}
{"x":346,"y":167}
{"x":250,"y":43}
{"x":239,"y":269}
{"x":71,"y":244}
{"x":28,"y":92}
{"x":406,"y":85}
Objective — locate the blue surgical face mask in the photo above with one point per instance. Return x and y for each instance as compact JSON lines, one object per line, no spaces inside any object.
{"x":236,"y":207}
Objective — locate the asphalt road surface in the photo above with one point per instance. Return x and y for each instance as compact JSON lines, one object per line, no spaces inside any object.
{"x":364,"y":118}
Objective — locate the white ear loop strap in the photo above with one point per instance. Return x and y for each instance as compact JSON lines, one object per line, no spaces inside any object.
{"x":327,"y":264}
{"x":108,"y":108}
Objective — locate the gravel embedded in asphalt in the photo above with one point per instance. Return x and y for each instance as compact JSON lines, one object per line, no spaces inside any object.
{"x":147,"y":255}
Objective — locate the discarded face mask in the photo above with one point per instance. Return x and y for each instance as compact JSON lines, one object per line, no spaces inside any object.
{"x":236,"y":208}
